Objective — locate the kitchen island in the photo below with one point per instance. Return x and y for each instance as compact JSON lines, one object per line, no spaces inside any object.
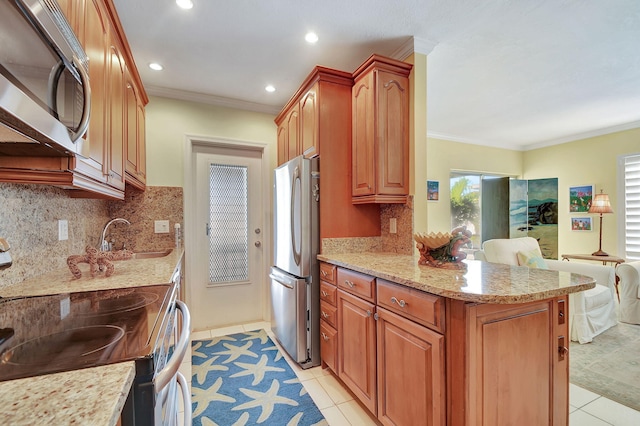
{"x":93,"y":395}
{"x":486,"y":345}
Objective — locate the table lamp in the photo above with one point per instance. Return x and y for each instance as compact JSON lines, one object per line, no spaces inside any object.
{"x":600,"y":205}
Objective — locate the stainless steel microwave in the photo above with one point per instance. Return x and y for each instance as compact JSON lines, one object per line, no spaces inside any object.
{"x":45,"y":96}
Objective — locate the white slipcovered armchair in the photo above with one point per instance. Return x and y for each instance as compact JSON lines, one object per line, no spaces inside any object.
{"x":590,"y":312}
{"x":629,"y":274}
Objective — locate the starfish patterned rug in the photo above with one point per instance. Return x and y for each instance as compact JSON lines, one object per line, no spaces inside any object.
{"x":243,"y":379}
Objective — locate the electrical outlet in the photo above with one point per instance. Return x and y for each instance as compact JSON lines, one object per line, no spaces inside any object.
{"x":63,"y":230}
{"x":161,"y":226}
{"x":393,"y":226}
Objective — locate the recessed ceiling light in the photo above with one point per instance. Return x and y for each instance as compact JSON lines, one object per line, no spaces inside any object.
{"x":185,"y":4}
{"x":269,"y":88}
{"x":311,"y":37}
{"x":156,"y":66}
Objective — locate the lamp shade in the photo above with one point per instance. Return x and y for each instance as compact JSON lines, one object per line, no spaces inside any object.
{"x":600,"y":204}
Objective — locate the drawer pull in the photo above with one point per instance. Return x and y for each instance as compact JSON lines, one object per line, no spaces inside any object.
{"x":368,"y":313}
{"x":400,"y":302}
{"x":324,"y":273}
{"x":325,"y":315}
{"x":349,"y":283}
{"x":324,"y":293}
{"x":325,"y":337}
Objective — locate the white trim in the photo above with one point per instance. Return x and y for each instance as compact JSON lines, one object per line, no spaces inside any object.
{"x":451,"y":138}
{"x":413,"y":45}
{"x":212,"y":100}
{"x":191,"y":141}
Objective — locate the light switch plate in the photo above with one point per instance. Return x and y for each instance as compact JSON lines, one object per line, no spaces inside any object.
{"x":63,"y":230}
{"x":161,"y":226}
{"x":393,"y":225}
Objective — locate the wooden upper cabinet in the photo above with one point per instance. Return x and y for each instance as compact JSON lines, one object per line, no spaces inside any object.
{"x":135,"y":165}
{"x":380,"y":143}
{"x":309,"y":123}
{"x":293,"y":131}
{"x":114,"y":166}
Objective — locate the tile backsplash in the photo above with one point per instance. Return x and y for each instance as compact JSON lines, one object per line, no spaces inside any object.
{"x":29,"y":217}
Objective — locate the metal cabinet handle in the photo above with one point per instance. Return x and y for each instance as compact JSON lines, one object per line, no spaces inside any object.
{"x":324,"y":273}
{"x":324,"y":293}
{"x":400,"y":302}
{"x":349,"y":283}
{"x":325,"y":315}
{"x":368,"y":313}
{"x":325,"y":337}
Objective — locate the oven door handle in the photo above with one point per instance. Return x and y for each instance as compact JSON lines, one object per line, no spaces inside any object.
{"x":186,"y":397}
{"x":171,"y":368}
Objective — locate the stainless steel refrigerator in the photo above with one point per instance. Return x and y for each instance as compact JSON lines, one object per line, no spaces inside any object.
{"x":295,"y":284}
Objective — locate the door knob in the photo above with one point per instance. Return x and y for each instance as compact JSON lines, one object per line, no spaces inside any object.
{"x":257,"y":243}
{"x":257,"y":230}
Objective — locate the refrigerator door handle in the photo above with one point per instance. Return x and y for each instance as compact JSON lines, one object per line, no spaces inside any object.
{"x":279,"y":280}
{"x":296,"y":252}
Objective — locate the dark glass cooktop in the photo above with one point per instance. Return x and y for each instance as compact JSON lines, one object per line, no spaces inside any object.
{"x":47,"y":334}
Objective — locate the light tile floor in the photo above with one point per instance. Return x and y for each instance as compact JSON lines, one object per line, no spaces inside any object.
{"x":338,"y":406}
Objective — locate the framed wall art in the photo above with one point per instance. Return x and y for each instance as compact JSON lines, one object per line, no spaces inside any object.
{"x":580,"y":198}
{"x":433,"y":190}
{"x":581,"y":224}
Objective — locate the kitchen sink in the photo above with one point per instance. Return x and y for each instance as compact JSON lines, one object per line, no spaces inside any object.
{"x":152,"y":254}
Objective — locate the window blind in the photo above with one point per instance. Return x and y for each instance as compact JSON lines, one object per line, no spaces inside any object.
{"x":631,"y":166}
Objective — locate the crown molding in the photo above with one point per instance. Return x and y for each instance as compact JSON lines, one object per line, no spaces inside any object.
{"x":452,"y":138}
{"x":413,"y":45}
{"x":212,"y":100}
{"x":584,"y":135}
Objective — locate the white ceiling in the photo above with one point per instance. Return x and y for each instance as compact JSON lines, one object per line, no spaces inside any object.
{"x":518,"y":74}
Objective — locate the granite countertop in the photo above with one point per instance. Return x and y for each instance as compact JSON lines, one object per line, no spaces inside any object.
{"x":127,"y":273}
{"x":88,"y":396}
{"x":92,"y":396}
{"x":483,"y":282}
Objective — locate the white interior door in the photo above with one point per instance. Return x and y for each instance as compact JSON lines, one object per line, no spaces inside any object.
{"x":228,"y":285}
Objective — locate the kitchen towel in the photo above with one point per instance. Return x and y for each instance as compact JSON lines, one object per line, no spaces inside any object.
{"x":243,"y":379}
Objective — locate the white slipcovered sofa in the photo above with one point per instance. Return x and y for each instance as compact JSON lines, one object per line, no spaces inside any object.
{"x":629,"y":274}
{"x":590,"y":312}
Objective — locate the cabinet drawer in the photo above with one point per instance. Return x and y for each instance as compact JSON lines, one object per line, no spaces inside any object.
{"x":329,"y":345}
{"x":328,"y":313}
{"x":328,"y":272}
{"x":421,"y":307}
{"x":328,"y":293}
{"x":356,"y":283}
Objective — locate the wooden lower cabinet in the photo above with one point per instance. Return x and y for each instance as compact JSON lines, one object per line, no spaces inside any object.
{"x":357,"y":347}
{"x":411,"y":372}
{"x":329,"y":346}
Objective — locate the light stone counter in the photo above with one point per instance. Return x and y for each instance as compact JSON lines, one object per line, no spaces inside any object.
{"x":127,"y":273}
{"x":92,"y":396}
{"x":482,"y":282}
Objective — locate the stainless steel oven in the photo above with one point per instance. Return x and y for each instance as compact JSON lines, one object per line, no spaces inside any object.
{"x":47,"y":334}
{"x":45,"y":95}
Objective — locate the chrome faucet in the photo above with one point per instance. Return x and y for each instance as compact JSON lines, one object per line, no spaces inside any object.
{"x":104,"y":245}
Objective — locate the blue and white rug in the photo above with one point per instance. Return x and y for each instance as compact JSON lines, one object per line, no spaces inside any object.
{"x":243,"y":379}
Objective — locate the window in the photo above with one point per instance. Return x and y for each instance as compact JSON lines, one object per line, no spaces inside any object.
{"x":630,"y":227}
{"x":228,"y":231}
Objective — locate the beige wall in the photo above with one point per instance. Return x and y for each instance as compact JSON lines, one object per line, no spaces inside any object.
{"x":443,"y":157}
{"x":168,"y":121}
{"x":591,"y":161}
{"x":418,"y":139}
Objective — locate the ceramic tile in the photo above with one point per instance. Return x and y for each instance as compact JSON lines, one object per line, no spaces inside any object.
{"x":318,"y":394}
{"x":201,"y":335}
{"x":334,"y":416}
{"x":612,"y":412}
{"x":355,"y":414}
{"x":223,"y":331}
{"x":580,"y":418}
{"x":572,"y":408}
{"x":579,"y":397}
{"x":334,"y":388}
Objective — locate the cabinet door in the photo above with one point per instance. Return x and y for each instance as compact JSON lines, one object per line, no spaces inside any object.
{"x":392,"y":133}
{"x":293,"y":129}
{"x":283,"y":147}
{"x":357,"y":347}
{"x":94,"y":38}
{"x":142,"y":142}
{"x":411,"y":372}
{"x":115,"y":145}
{"x":512,"y":372}
{"x":363,"y":157}
{"x":329,"y":346}
{"x":309,"y":123}
{"x":135,"y":139}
